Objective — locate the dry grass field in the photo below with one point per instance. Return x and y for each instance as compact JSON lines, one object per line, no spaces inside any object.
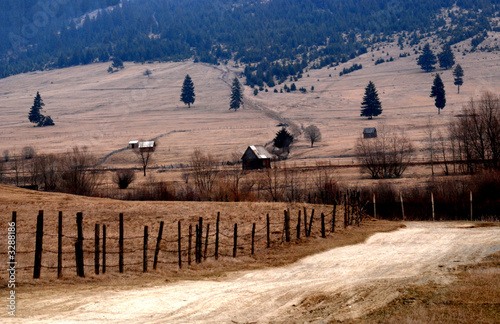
{"x":139,"y":214}
{"x":104,"y":111}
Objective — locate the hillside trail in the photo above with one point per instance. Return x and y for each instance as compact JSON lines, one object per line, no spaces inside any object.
{"x":339,"y":284}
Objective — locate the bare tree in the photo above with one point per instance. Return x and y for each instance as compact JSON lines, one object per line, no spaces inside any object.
{"x":327,"y":189}
{"x":16,"y":166}
{"x":443,"y":149}
{"x":272,"y":183}
{"x":385,"y":156}
{"x":205,"y":172}
{"x":313,"y":134}
{"x":77,"y":175}
{"x":477,"y":133}
{"x":145,"y":154}
{"x":429,"y":130}
{"x":49,"y":167}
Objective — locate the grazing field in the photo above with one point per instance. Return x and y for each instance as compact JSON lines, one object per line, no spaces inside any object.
{"x":104,"y":111}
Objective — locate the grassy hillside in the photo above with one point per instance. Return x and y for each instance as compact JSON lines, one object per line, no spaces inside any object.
{"x":104,"y":111}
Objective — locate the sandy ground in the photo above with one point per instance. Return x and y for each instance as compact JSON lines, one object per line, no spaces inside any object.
{"x":339,"y":284}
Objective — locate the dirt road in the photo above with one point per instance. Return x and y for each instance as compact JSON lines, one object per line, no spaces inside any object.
{"x":342,"y":283}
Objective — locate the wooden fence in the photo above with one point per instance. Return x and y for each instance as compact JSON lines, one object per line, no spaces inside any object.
{"x":176,"y":245}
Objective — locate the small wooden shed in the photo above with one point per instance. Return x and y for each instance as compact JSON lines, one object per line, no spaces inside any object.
{"x":370,"y":132}
{"x":256,"y":157}
{"x":133,"y":144}
{"x":147,"y":146}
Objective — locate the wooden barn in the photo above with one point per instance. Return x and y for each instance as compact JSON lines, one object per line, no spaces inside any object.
{"x":370,"y":132}
{"x":256,"y":157}
{"x":147,"y":146}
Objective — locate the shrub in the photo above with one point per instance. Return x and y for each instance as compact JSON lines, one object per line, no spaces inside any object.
{"x":123,"y":178}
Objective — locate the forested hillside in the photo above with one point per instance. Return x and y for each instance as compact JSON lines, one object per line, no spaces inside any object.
{"x":37,"y":35}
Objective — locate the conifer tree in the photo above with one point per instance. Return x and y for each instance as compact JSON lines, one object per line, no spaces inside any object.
{"x":236,"y":95}
{"x":458,"y":73}
{"x":35,"y":116}
{"x":187,"y":92}
{"x":437,"y":92}
{"x":427,"y":59}
{"x":446,"y":57}
{"x":371,"y":105}
{"x":283,"y":140}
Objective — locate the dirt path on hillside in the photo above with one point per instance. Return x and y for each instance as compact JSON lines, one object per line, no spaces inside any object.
{"x":338,"y":284}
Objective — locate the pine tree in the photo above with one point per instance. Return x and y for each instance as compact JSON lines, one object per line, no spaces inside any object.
{"x":427,"y":59}
{"x":117,"y":63}
{"x":187,"y":92}
{"x":35,"y":116}
{"x":283,"y":140}
{"x":236,"y":95}
{"x":446,"y":57}
{"x":437,"y":91}
{"x":371,"y":105}
{"x":458,"y":73}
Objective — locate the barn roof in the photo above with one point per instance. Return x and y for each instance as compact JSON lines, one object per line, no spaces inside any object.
{"x":260,"y":152}
{"x":147,"y":144}
{"x":133,"y":142}
{"x":369,"y":130}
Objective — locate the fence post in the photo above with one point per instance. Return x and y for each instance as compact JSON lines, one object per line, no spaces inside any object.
{"x":179,"y":247}
{"x":235,"y":238}
{"x":432,"y":202}
{"x":158,"y":242}
{"x":217,"y":236}
{"x":471,"y":206}
{"x":196,"y":242}
{"x":80,"y":269}
{"x":334,"y":213}
{"x":39,"y":243}
{"x":287,"y":226}
{"x":374,"y":207}
{"x":253,"y":238}
{"x":120,"y":245}
{"x":298,"y":226}
{"x":323,"y":234}
{"x":96,"y":249}
{"x":145,"y":251}
{"x":200,"y":239}
{"x":310,"y":223}
{"x":305,"y":221}
{"x":59,"y":246}
{"x":206,"y":242}
{"x":346,"y":221}
{"x":402,"y":205}
{"x":268,"y":231}
{"x":189,"y":243}
{"x":103,"y":248}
